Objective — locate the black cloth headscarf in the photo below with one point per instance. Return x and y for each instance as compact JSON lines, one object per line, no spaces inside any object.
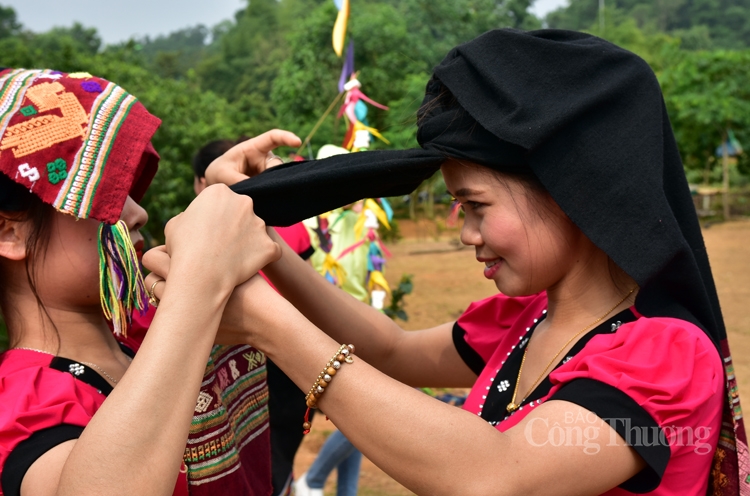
{"x":587,"y":118}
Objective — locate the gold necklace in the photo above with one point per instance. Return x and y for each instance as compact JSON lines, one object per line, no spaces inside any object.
{"x":513,"y":406}
{"x":32,"y":349}
{"x":95,"y":366}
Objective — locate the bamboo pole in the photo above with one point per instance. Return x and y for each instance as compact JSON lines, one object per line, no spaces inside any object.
{"x":320,"y":121}
{"x":725,"y":174}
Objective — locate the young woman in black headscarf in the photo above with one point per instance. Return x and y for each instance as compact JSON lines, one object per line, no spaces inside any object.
{"x":602,"y":365}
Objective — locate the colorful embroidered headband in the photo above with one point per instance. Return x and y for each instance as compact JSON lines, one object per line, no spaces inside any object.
{"x":81,"y":144}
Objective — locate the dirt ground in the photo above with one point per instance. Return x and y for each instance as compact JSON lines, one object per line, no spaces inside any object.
{"x":447,"y":278}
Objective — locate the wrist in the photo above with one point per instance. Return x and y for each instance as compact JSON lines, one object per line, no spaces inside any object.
{"x":208,"y":292}
{"x":202,"y":274}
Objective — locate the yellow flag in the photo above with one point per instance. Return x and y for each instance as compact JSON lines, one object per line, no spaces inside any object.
{"x":339,"y":29}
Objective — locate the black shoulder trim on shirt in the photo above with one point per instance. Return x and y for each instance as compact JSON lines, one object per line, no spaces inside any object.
{"x":630,"y":421}
{"x":82,"y":372}
{"x":307,"y":253}
{"x":466,"y":352}
{"x":126,"y":349}
{"x":29,"y":450}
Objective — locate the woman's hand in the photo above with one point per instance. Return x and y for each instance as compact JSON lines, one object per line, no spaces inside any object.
{"x":244,"y":315}
{"x":250,"y":312}
{"x":250,"y":157}
{"x":156,"y":260}
{"x":217,"y":237}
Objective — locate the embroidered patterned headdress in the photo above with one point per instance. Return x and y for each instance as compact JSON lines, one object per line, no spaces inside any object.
{"x":81,"y":144}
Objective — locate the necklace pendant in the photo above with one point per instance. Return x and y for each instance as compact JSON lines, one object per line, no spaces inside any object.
{"x":512,"y":407}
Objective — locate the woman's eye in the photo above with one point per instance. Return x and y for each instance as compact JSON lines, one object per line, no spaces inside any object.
{"x":473,"y":205}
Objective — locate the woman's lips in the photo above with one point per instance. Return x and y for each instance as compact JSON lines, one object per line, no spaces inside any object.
{"x":491,"y":267}
{"x":139,"y":249}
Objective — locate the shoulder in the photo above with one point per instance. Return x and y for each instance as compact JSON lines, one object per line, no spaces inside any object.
{"x":659,"y":362}
{"x":658,"y":341}
{"x":480,"y":330}
{"x":36,"y":397}
{"x":654,"y":375}
{"x":501,"y":311}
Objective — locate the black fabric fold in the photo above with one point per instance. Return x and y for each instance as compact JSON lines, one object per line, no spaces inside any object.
{"x":296,"y":191}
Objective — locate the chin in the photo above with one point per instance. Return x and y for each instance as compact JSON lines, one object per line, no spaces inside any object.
{"x":515,"y":290}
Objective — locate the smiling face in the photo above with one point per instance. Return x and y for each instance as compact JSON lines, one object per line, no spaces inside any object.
{"x":525,"y":241}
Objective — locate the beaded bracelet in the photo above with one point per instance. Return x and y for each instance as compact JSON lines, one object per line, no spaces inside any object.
{"x":343,"y":355}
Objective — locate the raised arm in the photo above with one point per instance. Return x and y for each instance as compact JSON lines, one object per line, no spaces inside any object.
{"x":430,"y":447}
{"x":417,"y":358}
{"x":135,"y":441}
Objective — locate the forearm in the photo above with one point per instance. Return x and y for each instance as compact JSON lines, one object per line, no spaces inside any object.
{"x":337,"y":313}
{"x":437,"y":449}
{"x":397,"y":427}
{"x":135,"y":442}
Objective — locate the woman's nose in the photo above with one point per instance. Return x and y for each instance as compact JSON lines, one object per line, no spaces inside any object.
{"x":134,"y":215}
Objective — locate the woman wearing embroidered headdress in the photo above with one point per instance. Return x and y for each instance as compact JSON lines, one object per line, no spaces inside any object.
{"x":86,"y":410}
{"x":600,"y":366}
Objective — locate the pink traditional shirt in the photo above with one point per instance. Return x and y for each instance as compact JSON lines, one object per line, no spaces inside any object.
{"x":658,"y":382}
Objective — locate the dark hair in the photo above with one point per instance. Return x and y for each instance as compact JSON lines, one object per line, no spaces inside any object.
{"x":39,"y":215}
{"x":210,"y":152}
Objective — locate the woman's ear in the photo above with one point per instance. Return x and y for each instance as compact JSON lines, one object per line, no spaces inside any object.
{"x":12,"y":238}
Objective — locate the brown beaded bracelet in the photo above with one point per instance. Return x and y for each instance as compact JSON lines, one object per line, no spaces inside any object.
{"x":343,"y":355}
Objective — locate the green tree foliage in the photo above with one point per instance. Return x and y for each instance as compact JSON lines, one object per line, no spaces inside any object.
{"x":243,"y":62}
{"x":396,"y":308}
{"x":700,"y":23}
{"x":9,"y":25}
{"x":66,"y":49}
{"x":707,"y":94}
{"x":175,"y":54}
{"x":657,"y":48}
{"x":397,"y":45}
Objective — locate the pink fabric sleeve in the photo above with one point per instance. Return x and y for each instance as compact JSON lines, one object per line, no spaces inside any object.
{"x":485,"y":323}
{"x":668,"y":366}
{"x":36,"y":398}
{"x":296,"y":236}
{"x":653,"y":374}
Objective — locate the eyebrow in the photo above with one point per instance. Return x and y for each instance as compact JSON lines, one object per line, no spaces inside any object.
{"x":466,"y":192}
